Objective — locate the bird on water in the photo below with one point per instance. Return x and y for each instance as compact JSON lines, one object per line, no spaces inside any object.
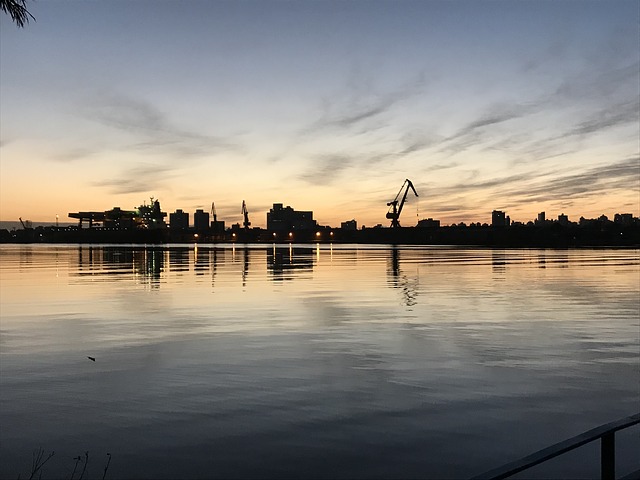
{"x":91,"y":358}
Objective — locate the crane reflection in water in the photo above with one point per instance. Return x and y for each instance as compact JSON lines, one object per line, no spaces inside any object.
{"x":400,"y":280}
{"x":284,"y":263}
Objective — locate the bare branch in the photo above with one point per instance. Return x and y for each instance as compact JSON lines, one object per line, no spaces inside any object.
{"x":37,"y":462}
{"x":106,"y":466}
{"x":86,"y":461}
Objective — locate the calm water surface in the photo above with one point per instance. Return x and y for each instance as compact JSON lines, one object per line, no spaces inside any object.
{"x":314,"y":362}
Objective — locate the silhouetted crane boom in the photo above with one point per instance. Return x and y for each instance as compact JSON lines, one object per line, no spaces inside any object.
{"x":396,"y":205}
{"x":246,"y":223}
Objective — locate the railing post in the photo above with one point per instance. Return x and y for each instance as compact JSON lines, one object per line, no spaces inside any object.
{"x":608,"y":456}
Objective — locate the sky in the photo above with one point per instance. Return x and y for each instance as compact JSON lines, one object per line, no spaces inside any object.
{"x":520,"y":106}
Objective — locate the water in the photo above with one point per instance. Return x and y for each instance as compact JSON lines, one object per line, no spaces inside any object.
{"x":315,"y":362}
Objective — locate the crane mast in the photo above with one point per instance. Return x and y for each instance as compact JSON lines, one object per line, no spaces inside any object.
{"x":26,"y":224}
{"x":396,"y":205}
{"x":246,"y":223}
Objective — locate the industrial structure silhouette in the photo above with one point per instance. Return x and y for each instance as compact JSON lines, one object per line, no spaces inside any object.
{"x":147,"y":224}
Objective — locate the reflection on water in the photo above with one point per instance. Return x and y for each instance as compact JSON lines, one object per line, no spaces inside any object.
{"x":498,"y":261}
{"x":146,"y":263}
{"x":398,"y":279}
{"x":179,"y":258}
{"x":319,"y":361}
{"x":282,"y":261}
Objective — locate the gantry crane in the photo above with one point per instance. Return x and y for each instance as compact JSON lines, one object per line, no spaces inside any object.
{"x":246,"y":223}
{"x":394,"y":212}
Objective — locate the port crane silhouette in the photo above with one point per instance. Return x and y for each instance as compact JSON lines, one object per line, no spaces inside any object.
{"x":246,"y":223}
{"x":394,"y":212}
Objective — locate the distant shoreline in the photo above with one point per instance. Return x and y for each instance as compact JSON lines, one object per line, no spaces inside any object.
{"x":552,"y":235}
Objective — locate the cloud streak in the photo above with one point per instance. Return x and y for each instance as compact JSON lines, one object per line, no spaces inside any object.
{"x":477,"y":131}
{"x":622,"y":175}
{"x":153,"y":130}
{"x":327,"y":168}
{"x":357,"y":107}
{"x":607,"y":118}
{"x":528,"y":188}
{"x":137,"y":179}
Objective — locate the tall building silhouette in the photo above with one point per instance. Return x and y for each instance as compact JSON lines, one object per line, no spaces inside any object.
{"x":201,"y":220}
{"x":281,"y":218}
{"x":179,"y":220}
{"x":498,"y":219}
{"x":563,"y":220}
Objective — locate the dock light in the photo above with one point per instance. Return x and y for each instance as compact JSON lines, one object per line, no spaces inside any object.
{"x":290,"y":234}
{"x":331,"y":234}
{"x":195,"y":235}
{"x":274,"y":234}
{"x":318,"y":234}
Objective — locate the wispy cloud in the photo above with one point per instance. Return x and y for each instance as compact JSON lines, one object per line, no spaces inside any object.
{"x":140,"y":178}
{"x":529,"y":187}
{"x":151,"y":129}
{"x":585,"y":102}
{"x":549,"y":143}
{"x":357,"y":105}
{"x":146,"y":130}
{"x":598,"y":82}
{"x":416,"y":141}
{"x":610,"y":117}
{"x":623,"y":175}
{"x":491,"y":184}
{"x":477,"y":131}
{"x":326,"y":169}
{"x":72,"y":154}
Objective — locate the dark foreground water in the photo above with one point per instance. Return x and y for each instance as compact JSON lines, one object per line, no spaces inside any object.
{"x":315,"y":362}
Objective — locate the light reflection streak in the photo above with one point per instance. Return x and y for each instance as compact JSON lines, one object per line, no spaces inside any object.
{"x":589,"y":275}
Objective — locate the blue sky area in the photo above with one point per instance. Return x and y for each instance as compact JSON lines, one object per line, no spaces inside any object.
{"x":328,"y":106}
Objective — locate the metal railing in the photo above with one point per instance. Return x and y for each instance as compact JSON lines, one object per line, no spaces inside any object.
{"x":606,"y":433}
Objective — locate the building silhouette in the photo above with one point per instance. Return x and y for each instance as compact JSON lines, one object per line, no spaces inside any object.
{"x":281,"y":219}
{"x":217,"y":227}
{"x":179,"y":220}
{"x":428,"y":223}
{"x":499,"y":219}
{"x":563,"y":220}
{"x":623,"y":219}
{"x":201,"y":220}
{"x":350,"y":225}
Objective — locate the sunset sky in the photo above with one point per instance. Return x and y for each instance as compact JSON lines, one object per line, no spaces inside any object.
{"x":522,"y":106}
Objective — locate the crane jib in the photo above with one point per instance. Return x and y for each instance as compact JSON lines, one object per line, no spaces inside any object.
{"x":395,"y":210}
